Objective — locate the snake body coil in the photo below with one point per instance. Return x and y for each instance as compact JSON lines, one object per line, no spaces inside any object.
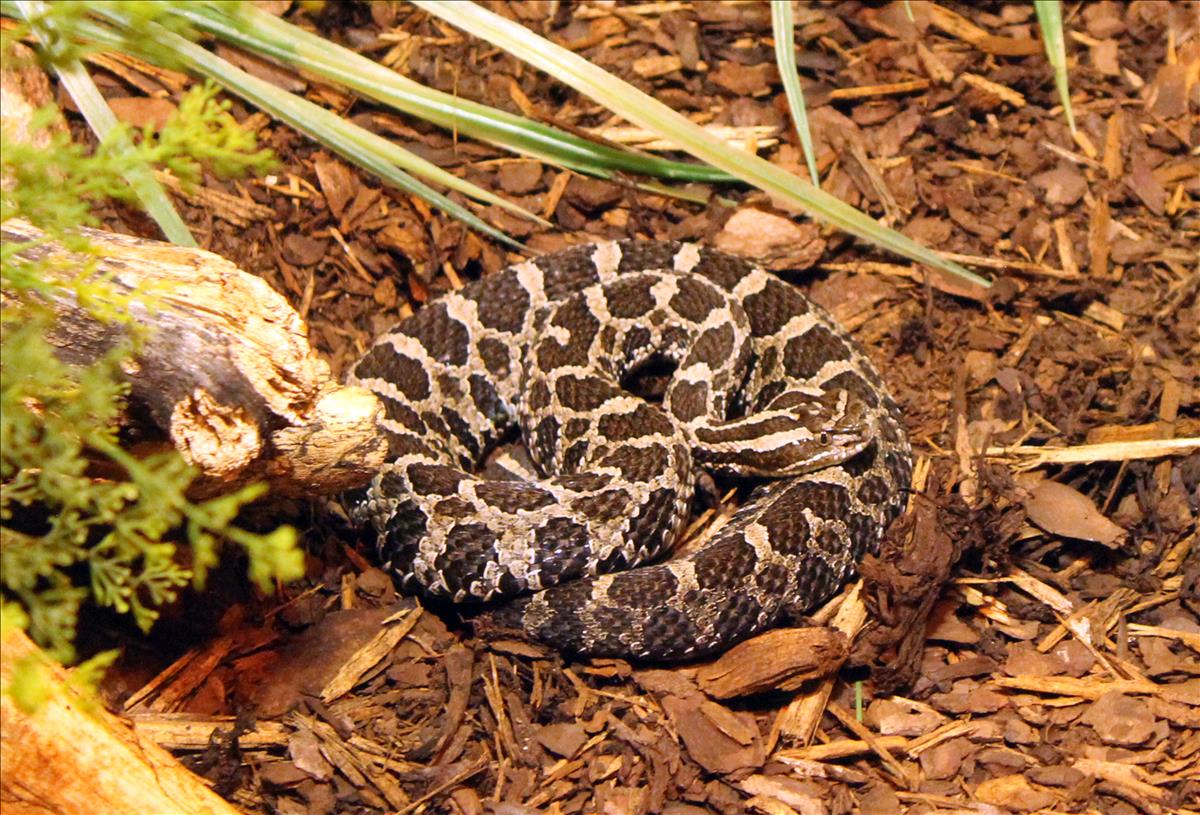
{"x":765,"y":386}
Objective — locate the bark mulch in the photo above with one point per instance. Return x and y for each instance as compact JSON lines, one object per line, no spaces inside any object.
{"x":1029,"y":636}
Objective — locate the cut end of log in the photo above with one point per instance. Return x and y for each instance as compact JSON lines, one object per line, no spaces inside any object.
{"x":70,"y":759}
{"x":338,"y":448}
{"x":219,"y":440}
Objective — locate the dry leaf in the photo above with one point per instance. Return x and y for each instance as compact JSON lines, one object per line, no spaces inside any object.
{"x":1063,"y":510}
{"x":774,"y":241}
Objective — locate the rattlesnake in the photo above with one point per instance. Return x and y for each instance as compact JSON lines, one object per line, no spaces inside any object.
{"x":766,"y":386}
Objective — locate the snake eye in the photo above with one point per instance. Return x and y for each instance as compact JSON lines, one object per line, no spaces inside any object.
{"x":823,"y":439}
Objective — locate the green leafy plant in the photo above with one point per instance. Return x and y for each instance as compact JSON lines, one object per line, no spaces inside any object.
{"x":114,"y":26}
{"x":56,"y":26}
{"x":80,"y":516}
{"x":53,"y":26}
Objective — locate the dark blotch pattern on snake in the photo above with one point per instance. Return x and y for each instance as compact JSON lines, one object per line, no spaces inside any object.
{"x":765,"y":386}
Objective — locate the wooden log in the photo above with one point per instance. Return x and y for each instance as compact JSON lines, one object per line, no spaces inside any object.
{"x":224,"y":366}
{"x":72,"y":758}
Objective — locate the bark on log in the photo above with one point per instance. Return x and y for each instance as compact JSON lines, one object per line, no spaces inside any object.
{"x":69,"y":758}
{"x":225,"y":367}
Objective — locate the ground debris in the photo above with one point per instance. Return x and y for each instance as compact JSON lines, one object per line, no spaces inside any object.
{"x":1031,"y":638}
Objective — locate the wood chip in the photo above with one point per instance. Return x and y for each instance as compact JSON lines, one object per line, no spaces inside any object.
{"x":958,"y":26}
{"x":394,"y":629}
{"x":1014,"y":792}
{"x":782,"y":659}
{"x":841,"y":748}
{"x":656,"y":65}
{"x":1105,"y":315}
{"x":187,"y":731}
{"x":1030,"y":456}
{"x":775,"y":241}
{"x":888,"y":89}
{"x":1062,"y":510}
{"x":702,"y":726}
{"x":1078,"y":688}
{"x":801,"y":717}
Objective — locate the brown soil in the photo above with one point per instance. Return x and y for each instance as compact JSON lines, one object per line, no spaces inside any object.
{"x":1031,"y":639}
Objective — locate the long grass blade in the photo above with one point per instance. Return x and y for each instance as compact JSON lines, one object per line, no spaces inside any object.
{"x":1049,"y":14}
{"x":265,"y":34}
{"x":355,"y":144}
{"x":783,"y":29}
{"x":644,"y":111}
{"x":100,"y":118}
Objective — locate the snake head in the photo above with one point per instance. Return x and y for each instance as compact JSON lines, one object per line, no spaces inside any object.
{"x":837,"y":429}
{"x":797,"y":432}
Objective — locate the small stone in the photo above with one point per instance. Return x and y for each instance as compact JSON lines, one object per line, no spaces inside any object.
{"x":1121,"y":719}
{"x":1014,"y":792}
{"x":562,"y":739}
{"x":1057,"y":775}
{"x":943,"y":760}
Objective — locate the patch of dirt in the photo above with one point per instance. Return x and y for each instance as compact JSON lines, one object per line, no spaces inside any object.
{"x":1031,"y":639}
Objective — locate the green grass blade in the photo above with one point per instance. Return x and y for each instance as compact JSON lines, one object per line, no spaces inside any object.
{"x":266,"y":34}
{"x":229,"y":30}
{"x":100,"y":119}
{"x":1049,"y":14}
{"x":644,"y":111}
{"x":358,"y":146}
{"x":76,"y":81}
{"x":355,"y":144}
{"x":783,"y":28}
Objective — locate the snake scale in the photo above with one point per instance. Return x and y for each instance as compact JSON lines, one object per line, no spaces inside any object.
{"x":765,"y":387}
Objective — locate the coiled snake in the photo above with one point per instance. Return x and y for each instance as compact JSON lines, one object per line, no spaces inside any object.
{"x":765,"y":386}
